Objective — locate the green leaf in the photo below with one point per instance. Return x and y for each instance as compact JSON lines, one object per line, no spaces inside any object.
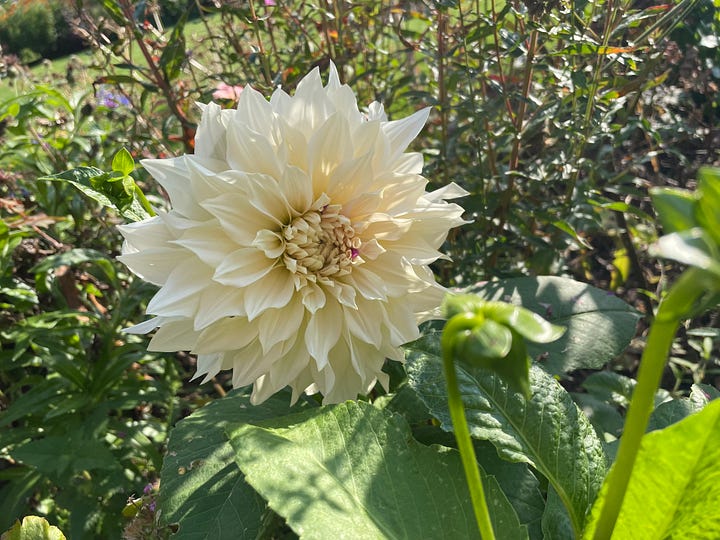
{"x":201,"y":489}
{"x":674,"y":491}
{"x":599,"y":325}
{"x":675,"y":208}
{"x":519,"y":485}
{"x":33,"y":528}
{"x":123,"y":162}
{"x":548,"y":431}
{"x":693,"y":247}
{"x":55,"y":455}
{"x":708,"y":205}
{"x":174,"y":54}
{"x":106,"y":190}
{"x":352,"y":469}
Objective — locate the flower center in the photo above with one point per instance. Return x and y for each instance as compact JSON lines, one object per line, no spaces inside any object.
{"x":320,"y":244}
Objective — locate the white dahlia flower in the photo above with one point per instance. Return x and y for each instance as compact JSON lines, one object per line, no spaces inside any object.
{"x":296,"y":251}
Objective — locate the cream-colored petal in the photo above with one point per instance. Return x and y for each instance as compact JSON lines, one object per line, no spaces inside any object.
{"x":239,"y":218}
{"x":313,"y":297}
{"x":297,"y":188}
{"x":279,"y":324}
{"x":153,"y":265}
{"x":275,"y":291}
{"x":178,"y":297}
{"x":210,"y":135}
{"x":270,"y":243}
{"x":365,"y":323}
{"x":322,"y":332}
{"x":368,"y":283}
{"x":208,"y":365}
{"x":173,"y":175}
{"x":146,"y":234}
{"x":254,"y":110}
{"x":251,"y":152}
{"x":243,"y":267}
{"x":174,"y":336}
{"x":229,"y":334}
{"x":328,"y":147}
{"x":208,"y":242}
{"x":401,"y":132}
{"x":218,"y":302}
{"x":145,"y":326}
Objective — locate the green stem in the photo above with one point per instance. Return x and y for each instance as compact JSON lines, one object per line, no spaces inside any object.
{"x":462,"y":433}
{"x":674,"y":307}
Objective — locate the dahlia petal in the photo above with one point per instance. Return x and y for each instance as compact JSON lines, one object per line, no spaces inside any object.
{"x":249,"y":151}
{"x":309,"y":107}
{"x":313,"y":298}
{"x":450,"y":191}
{"x":173,"y":175}
{"x":173,"y":336}
{"x":206,"y":242}
{"x":178,"y":297}
{"x":252,"y":362}
{"x":255,"y":111}
{"x":229,"y":334}
{"x":376,"y":111}
{"x":276,"y":325}
{"x":333,"y":78}
{"x":343,"y":293}
{"x":363,"y":322}
{"x":276,"y":290}
{"x":145,"y":326}
{"x":210,"y":135}
{"x":218,"y":302}
{"x":322,"y":333}
{"x":208,"y":365}
{"x":364,"y":139}
{"x":146,"y":234}
{"x":401,"y":323}
{"x":243,"y":267}
{"x":297,"y":187}
{"x":264,"y":195}
{"x":349,"y":178}
{"x":328,"y":147}
{"x":410,"y":163}
{"x":369,"y":284}
{"x":401,"y":132}
{"x":238,"y":217}
{"x":152,"y":265}
{"x":284,"y":371}
{"x":270,"y":243}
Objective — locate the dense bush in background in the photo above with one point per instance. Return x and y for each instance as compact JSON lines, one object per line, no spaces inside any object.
{"x":556,"y":118}
{"x":36,"y":29}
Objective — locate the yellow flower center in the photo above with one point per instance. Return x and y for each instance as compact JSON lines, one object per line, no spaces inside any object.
{"x":320,"y":244}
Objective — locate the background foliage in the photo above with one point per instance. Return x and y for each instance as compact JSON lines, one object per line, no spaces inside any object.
{"x":557,"y":117}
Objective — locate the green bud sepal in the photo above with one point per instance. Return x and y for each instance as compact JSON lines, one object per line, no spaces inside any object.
{"x":491,"y":335}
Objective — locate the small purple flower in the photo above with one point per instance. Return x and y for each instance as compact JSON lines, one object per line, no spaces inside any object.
{"x":112,"y":100}
{"x":148,"y":489}
{"x":151,"y":506}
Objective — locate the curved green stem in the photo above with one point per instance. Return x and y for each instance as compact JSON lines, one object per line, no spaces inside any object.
{"x":462,"y":433}
{"x":674,"y":307}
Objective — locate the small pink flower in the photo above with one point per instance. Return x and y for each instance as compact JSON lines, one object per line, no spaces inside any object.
{"x":225,"y":91}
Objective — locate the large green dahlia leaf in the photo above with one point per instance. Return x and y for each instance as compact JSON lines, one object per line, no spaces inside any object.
{"x":354,"y":471}
{"x":548,"y":432}
{"x":201,"y":489}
